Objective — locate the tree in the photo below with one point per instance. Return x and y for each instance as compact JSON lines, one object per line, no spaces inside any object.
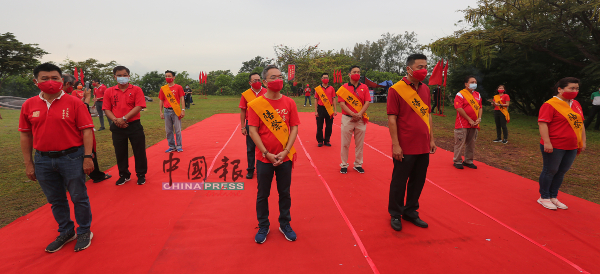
{"x":92,"y":69}
{"x":387,"y":54}
{"x":17,"y":58}
{"x":151,"y":83}
{"x":258,"y":61}
{"x":240,"y":83}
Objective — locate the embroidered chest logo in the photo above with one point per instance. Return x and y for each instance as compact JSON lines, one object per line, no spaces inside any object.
{"x":35,"y":114}
{"x":65,"y":113}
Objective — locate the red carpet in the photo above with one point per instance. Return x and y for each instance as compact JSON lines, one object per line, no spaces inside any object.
{"x":484,"y":220}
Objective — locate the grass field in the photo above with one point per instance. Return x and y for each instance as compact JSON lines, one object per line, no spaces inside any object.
{"x":19,"y":196}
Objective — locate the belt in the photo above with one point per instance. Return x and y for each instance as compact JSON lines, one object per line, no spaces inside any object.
{"x":348,"y":115}
{"x":168,"y":108}
{"x":57,"y":154}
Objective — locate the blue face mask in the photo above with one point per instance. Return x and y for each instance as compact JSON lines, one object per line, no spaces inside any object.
{"x":123,"y":80}
{"x":473,"y":86}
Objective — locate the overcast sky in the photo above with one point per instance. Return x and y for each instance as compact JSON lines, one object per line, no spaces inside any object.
{"x":214,"y":35}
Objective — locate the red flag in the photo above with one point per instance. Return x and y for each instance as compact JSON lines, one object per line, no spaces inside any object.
{"x":205,"y":77}
{"x":340,"y":78}
{"x":446,"y":72}
{"x":436,"y":75}
{"x":82,"y":82}
{"x":335,"y":80}
{"x":76,"y":74}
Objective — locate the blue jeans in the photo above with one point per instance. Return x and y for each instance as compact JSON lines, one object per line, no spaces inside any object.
{"x":307,"y":98}
{"x":556,"y":164}
{"x":56,"y":176}
{"x":172,"y":123}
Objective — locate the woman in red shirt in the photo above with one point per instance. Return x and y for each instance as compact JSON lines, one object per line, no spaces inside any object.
{"x":563,"y":137}
{"x":499,"y":117}
{"x":79,"y":91}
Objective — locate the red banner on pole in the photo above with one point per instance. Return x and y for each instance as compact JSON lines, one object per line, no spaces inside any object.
{"x":291,"y":72}
{"x":436,"y":75}
{"x":76,"y":74}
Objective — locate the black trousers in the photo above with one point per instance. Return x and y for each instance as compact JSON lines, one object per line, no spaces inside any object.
{"x":408,"y":176}
{"x":500,"y":124}
{"x":100,"y":113}
{"x":96,"y":174}
{"x":250,"y":150}
{"x":134,"y":133}
{"x":328,"y":120}
{"x":264,"y":176}
{"x":595,"y":111}
{"x":436,"y":103}
{"x":188,"y":101}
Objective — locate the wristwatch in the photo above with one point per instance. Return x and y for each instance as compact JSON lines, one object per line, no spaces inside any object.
{"x":124,"y":119}
{"x":265,"y":154}
{"x":87,"y":156}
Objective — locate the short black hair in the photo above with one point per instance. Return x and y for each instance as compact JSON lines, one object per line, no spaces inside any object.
{"x":46,"y":67}
{"x":250,"y":76}
{"x":410,"y":60}
{"x":119,"y":68}
{"x":96,"y":80}
{"x":469,"y":78}
{"x":325,"y":74}
{"x":564,"y":82}
{"x":171,"y":72}
{"x":352,"y":67}
{"x":77,"y":83}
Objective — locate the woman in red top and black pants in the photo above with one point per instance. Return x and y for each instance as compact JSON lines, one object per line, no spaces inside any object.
{"x":560,"y":143}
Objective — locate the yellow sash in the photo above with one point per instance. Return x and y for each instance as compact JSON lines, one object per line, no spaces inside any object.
{"x":351,"y":100}
{"x":273,"y":121}
{"x":502,"y":109}
{"x":574,"y":119}
{"x":413,"y":99}
{"x":172,"y":100}
{"x":472,"y":102}
{"x":324,"y":99}
{"x":249,"y":95}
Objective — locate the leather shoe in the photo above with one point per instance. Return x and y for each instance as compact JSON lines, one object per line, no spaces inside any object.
{"x":471,"y":165}
{"x":320,"y":145}
{"x":458,"y":166}
{"x":416,"y":221}
{"x":250,"y":175}
{"x":396,"y":224}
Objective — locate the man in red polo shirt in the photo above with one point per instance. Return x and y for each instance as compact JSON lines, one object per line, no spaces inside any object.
{"x":172,"y":121}
{"x":468,"y":116}
{"x":307,"y":92}
{"x":322,"y":113}
{"x":123,"y":104}
{"x":256,"y":90}
{"x":410,"y":124}
{"x":99,"y":90}
{"x":46,"y":118}
{"x":353,"y":122}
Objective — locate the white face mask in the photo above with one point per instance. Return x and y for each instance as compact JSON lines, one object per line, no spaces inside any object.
{"x":122,"y":80}
{"x":473,"y":86}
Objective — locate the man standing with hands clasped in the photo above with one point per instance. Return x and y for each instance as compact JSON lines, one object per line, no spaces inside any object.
{"x":354,"y":99}
{"x":172,"y":98}
{"x":122,"y":105}
{"x":410,"y":124}
{"x":273,"y":120}
{"x":256,"y":90}
{"x":59,"y":127}
{"x":468,"y":116}
{"x":325,"y":110}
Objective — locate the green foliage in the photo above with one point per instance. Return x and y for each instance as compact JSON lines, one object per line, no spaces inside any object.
{"x":17,"y":58}
{"x":240,"y":83}
{"x":92,"y":69}
{"x":252,"y":65}
{"x":387,"y":54}
{"x":19,"y":86}
{"x":151,"y":83}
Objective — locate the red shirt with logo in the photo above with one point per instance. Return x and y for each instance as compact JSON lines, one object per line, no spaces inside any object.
{"x":78,"y":94}
{"x":362,"y":93}
{"x":286,"y":107}
{"x":307,"y":91}
{"x":329,"y":92}
{"x":177,"y":92}
{"x":99,"y":92}
{"x":56,"y":126}
{"x":460,"y":102}
{"x":561,"y":133}
{"x":413,"y":133}
{"x":244,"y":103}
{"x":504,"y":98}
{"x":122,"y":102}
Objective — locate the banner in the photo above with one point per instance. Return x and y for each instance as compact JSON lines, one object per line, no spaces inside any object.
{"x":291,"y":72}
{"x":436,"y":76}
{"x":76,"y":74}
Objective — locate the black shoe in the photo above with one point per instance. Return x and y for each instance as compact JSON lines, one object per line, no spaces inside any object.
{"x":396,"y":224}
{"x":327,"y":144}
{"x":122,"y":180}
{"x":359,"y":169}
{"x":344,"y":170}
{"x":60,"y":241}
{"x":458,"y":166}
{"x":417,"y":221}
{"x":497,"y":140}
{"x":250,"y":175}
{"x":106,"y":177}
{"x":469,"y":165}
{"x":505,"y":141}
{"x":84,"y":241}
{"x":141,"y":180}
{"x":320,"y":145}
{"x":101,"y":128}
